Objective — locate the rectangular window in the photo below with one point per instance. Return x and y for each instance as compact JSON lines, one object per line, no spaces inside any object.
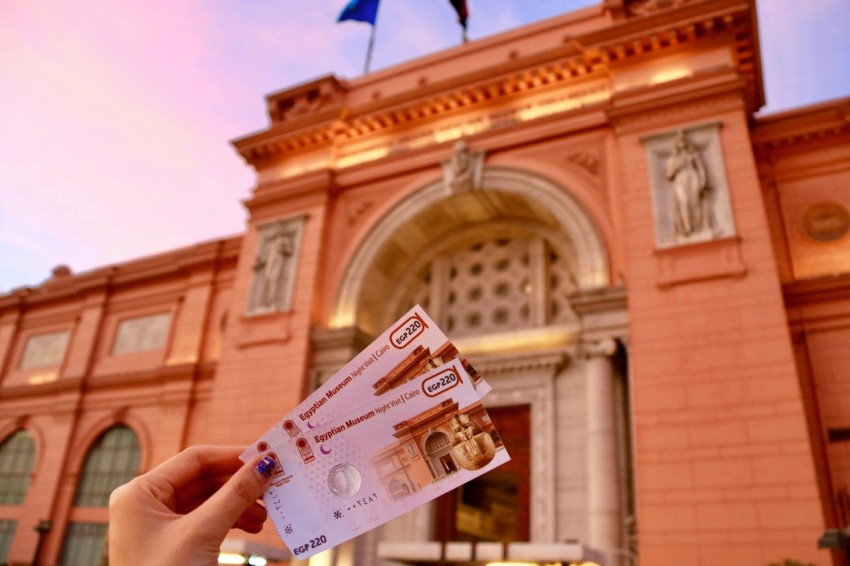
{"x":85,"y":543}
{"x":7,"y":534}
{"x":45,"y":350}
{"x":141,"y":334}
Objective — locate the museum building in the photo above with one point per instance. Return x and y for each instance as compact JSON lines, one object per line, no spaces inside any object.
{"x":654,"y":280}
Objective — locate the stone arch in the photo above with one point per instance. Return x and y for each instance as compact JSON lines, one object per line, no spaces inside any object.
{"x":432,"y":213}
{"x":78,"y":457}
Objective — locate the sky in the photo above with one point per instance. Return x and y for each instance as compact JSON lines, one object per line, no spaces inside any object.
{"x":116,"y":116}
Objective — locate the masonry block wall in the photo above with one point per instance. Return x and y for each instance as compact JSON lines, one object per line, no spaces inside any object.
{"x":724,"y":466}
{"x":65,"y":402}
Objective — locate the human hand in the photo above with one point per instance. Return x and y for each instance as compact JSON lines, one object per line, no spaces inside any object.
{"x":180,"y":511}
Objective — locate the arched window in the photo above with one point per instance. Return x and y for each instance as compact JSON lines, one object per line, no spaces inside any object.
{"x":17,"y":457}
{"x":112,"y":460}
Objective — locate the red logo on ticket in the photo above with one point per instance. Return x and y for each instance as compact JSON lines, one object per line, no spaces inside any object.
{"x":440,"y":383}
{"x":409,"y":329}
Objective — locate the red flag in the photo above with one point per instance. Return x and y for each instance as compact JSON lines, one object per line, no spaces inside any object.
{"x":462,"y":13}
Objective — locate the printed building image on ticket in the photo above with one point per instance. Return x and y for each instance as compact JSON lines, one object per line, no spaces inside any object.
{"x":434,"y":444}
{"x":382,"y":459}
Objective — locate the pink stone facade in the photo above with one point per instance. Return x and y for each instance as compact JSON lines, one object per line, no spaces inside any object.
{"x":689,"y":402}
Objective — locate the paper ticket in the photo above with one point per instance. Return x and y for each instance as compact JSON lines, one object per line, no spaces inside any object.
{"x":382,"y":459}
{"x":410,"y":347}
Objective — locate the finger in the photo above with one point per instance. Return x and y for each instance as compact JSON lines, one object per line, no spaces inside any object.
{"x":197,"y":461}
{"x":252,"y":519}
{"x":166,"y":482}
{"x":190,"y":496}
{"x":221,"y":511}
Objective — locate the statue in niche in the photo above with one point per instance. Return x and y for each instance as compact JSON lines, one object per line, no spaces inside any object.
{"x":464,"y":170}
{"x":688,"y":177}
{"x":271,"y":269}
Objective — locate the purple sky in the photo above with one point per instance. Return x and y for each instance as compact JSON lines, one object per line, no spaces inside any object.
{"x":115,"y":117}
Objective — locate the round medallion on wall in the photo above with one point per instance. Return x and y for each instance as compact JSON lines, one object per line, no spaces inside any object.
{"x":825,"y":222}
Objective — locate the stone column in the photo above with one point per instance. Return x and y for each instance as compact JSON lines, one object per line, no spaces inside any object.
{"x":603,"y":485}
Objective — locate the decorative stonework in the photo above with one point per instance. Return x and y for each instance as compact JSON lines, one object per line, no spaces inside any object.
{"x":587,"y":160}
{"x":45,"y":350}
{"x":142,"y":334}
{"x":690,"y":194}
{"x":307,"y":99}
{"x":274,"y":267}
{"x":606,"y":347}
{"x":825,"y":222}
{"x":464,"y":170}
{"x":356,"y":209}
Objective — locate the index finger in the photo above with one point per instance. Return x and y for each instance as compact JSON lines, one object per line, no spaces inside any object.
{"x":195,"y":462}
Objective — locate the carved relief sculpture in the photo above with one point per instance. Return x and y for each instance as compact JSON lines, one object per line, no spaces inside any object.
{"x":464,"y":170}
{"x":690,"y":195}
{"x":686,"y":173}
{"x":274,"y":267}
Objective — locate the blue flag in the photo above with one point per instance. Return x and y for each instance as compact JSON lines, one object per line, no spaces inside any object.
{"x":360,"y":10}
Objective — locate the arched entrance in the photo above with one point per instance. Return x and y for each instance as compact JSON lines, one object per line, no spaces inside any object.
{"x":438,"y":450}
{"x":432,"y":221}
{"x":499,"y":269}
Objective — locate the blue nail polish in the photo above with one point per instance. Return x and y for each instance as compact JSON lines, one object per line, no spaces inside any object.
{"x":266,"y":466}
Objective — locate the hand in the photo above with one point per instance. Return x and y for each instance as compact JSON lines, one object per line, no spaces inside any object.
{"x":180,"y":511}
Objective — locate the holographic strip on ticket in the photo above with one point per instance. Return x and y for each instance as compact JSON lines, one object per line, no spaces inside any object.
{"x":384,"y":458}
{"x":411,"y":346}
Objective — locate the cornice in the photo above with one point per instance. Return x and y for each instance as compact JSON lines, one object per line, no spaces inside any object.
{"x":103,"y":280}
{"x":41,"y":389}
{"x":579,"y":56}
{"x":157,"y":376}
{"x":318,"y":183}
{"x":825,"y":121}
{"x":705,"y":93}
{"x":601,"y":300}
{"x":551,"y":360}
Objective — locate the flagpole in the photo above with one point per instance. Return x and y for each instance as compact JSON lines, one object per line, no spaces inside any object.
{"x":369,"y":50}
{"x":372,"y":39}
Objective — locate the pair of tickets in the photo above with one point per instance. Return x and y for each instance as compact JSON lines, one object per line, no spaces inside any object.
{"x":399,"y":425}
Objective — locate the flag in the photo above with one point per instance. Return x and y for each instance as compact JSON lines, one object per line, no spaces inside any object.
{"x":360,"y":10}
{"x":462,"y":12}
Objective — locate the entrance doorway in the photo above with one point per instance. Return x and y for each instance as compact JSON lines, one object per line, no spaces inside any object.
{"x":493,"y":507}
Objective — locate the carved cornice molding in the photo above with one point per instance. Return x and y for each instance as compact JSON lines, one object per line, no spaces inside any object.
{"x":604,"y":299}
{"x":827,"y":121}
{"x":718,"y":93}
{"x":177,"y":263}
{"x":494,"y":364}
{"x":579,"y":57}
{"x":315,"y":184}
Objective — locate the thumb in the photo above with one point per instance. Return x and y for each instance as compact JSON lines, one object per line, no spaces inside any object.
{"x":241,"y":491}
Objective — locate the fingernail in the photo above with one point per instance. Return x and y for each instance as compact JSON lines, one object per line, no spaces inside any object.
{"x":266,"y":466}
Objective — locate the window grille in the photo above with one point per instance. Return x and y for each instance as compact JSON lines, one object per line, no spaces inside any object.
{"x":17,"y":456}
{"x":112,"y":460}
{"x":84,"y":545}
{"x":495,"y":283}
